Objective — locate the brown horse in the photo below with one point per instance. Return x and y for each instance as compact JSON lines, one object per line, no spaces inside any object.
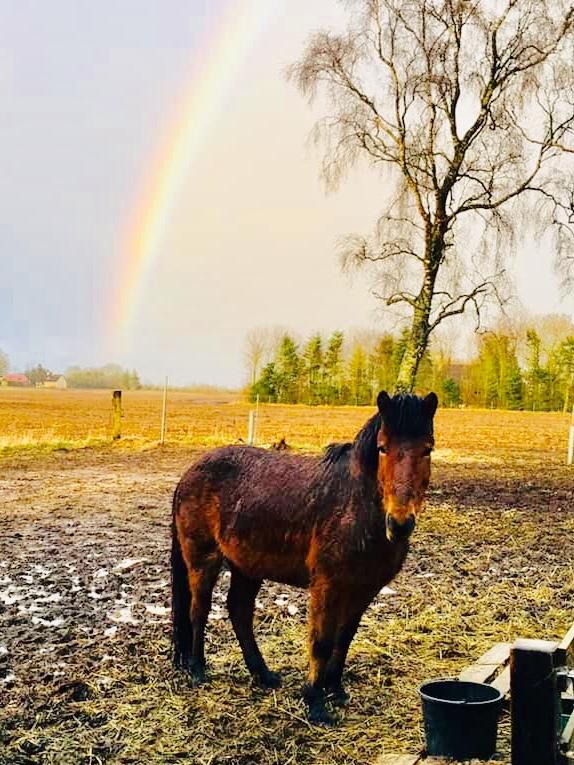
{"x":338,"y":525}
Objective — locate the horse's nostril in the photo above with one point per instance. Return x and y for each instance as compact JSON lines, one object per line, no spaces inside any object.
{"x":397,"y":529}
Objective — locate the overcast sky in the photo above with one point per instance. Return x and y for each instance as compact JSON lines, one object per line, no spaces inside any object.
{"x":87,"y":96}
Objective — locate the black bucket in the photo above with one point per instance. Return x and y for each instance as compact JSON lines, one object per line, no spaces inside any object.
{"x":460,"y":719}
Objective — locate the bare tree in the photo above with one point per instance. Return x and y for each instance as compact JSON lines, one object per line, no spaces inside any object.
{"x":256,"y":349}
{"x":467,"y":106}
{"x":4,"y":363}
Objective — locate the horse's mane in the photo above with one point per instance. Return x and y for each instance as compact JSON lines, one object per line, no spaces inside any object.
{"x":406,"y":416}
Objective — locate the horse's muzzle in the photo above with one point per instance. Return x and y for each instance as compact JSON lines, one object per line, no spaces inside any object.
{"x":397,"y":530}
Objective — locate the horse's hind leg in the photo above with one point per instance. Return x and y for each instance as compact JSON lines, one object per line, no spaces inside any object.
{"x":202,"y":577}
{"x":241,"y":605}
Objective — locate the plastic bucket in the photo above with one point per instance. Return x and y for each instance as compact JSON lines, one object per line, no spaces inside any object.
{"x":460,"y":719}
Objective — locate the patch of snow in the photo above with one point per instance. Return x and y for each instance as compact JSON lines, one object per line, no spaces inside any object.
{"x":123,"y":615}
{"x":281,"y":601}
{"x":22,"y":609}
{"x":156,"y":610}
{"x":47,"y":622}
{"x":101,"y":573}
{"x":292,"y":610}
{"x":3,"y":650}
{"x":388,"y":591}
{"x":94,"y":595}
{"x":10,"y":596}
{"x":424,"y":576}
{"x":10,"y":677}
{"x":28,"y":578}
{"x":110,"y":632}
{"x":259,"y":605}
{"x":217,"y":613}
{"x":128,"y":563}
{"x":5,"y":580}
{"x":41,"y":570}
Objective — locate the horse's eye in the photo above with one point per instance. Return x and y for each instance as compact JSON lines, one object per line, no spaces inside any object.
{"x":427,"y":451}
{"x":382,"y":449}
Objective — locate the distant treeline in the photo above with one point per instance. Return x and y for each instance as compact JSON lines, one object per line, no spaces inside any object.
{"x":523,"y":368}
{"x":108,"y":376}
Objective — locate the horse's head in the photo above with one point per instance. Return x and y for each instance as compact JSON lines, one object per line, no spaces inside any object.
{"x":405,"y":442}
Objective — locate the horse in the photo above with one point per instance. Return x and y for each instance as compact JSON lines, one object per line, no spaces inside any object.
{"x":337,"y":524}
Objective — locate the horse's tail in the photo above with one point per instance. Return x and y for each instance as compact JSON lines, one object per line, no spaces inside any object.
{"x":180,"y":596}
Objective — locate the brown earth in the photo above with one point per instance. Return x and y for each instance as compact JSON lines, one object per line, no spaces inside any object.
{"x":85,"y":675}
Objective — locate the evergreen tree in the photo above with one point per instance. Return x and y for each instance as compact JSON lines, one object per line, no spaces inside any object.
{"x":359,"y":388}
{"x":451,"y":393}
{"x":382,"y":364}
{"x":287,"y":366}
{"x":333,"y":381}
{"x":266,"y":386}
{"x":313,"y":370}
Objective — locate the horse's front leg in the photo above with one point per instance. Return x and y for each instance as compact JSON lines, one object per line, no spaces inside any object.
{"x":322,"y":630}
{"x":346,"y":629}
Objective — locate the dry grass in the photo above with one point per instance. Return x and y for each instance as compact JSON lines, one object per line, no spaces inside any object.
{"x":490,"y":562}
{"x":71,"y":419}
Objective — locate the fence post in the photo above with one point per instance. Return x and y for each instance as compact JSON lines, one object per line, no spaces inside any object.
{"x":535,"y":703}
{"x":571,"y":440}
{"x":116,"y":415}
{"x":252,"y":426}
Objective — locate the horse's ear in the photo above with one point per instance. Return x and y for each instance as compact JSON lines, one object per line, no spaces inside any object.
{"x":431,"y":403}
{"x":383,"y":402}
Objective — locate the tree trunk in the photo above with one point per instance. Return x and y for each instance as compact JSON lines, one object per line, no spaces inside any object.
{"x":414,"y":351}
{"x":420,"y":328}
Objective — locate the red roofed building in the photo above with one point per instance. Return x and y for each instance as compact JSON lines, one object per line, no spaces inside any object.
{"x":15,"y":380}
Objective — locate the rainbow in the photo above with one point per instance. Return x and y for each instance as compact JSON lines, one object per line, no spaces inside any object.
{"x":214,"y":70}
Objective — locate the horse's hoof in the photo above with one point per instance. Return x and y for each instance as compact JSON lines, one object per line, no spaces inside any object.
{"x":268,"y":679}
{"x":196,"y":674}
{"x":338,"y":696}
{"x":198,"y":677}
{"x":320,"y":716}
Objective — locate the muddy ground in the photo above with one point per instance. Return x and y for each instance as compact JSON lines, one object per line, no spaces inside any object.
{"x":85,"y":675}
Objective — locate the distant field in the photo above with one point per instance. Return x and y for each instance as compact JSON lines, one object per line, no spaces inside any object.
{"x":69,"y":419}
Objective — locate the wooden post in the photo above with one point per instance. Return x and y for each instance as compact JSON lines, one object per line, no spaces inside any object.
{"x":535,"y":703}
{"x":163,"y":414}
{"x":251,"y":431}
{"x":116,"y":415}
{"x":571,"y":440}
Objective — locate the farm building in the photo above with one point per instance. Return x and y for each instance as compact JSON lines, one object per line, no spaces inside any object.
{"x":15,"y":380}
{"x":55,"y":381}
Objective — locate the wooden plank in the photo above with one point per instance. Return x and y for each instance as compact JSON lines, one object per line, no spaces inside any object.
{"x":535,"y":706}
{"x":479,"y":673}
{"x":498,"y":654}
{"x":485,"y":668}
{"x":398,"y":759}
{"x":567,"y":737}
{"x":565,"y":651}
{"x":502,"y":682}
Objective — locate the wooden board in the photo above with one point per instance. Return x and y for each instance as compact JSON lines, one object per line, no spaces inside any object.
{"x":566,"y":648}
{"x":398,"y":759}
{"x":485,"y":668}
{"x":498,"y":654}
{"x":502,"y":682}
{"x":567,"y":737}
